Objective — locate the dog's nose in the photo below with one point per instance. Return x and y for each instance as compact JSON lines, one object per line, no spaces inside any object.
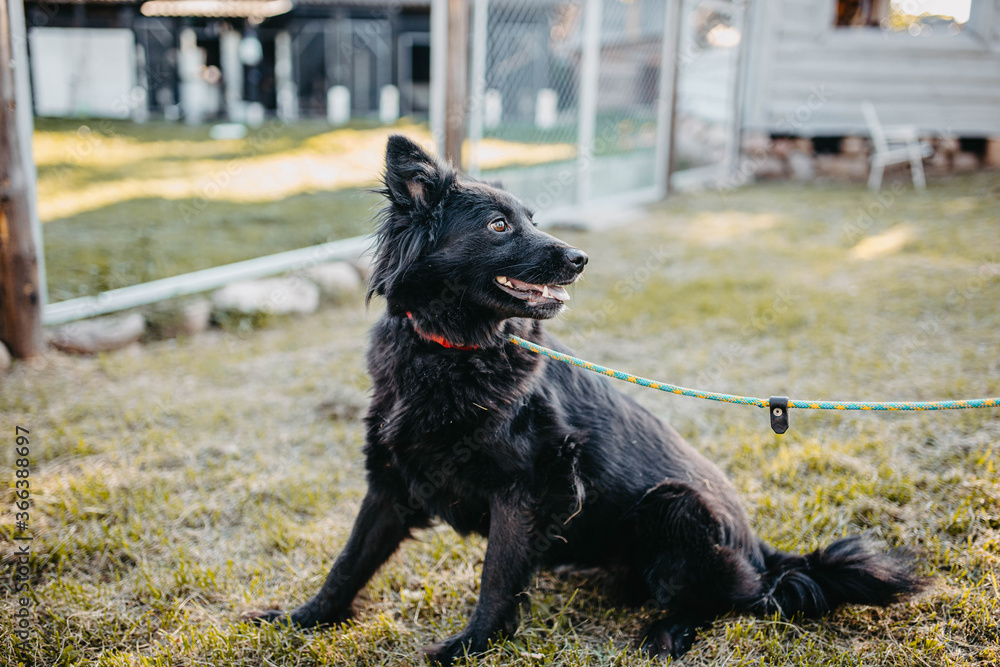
{"x":577,"y":258}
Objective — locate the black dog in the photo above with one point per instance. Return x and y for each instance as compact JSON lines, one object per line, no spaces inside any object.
{"x":547,"y":460}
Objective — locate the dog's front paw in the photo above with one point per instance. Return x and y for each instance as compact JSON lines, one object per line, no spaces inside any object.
{"x":262,"y":616}
{"x":668,"y":637}
{"x":309,"y":615}
{"x":451,"y":649}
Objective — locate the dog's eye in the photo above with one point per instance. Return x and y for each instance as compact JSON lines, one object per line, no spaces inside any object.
{"x":499,"y":225}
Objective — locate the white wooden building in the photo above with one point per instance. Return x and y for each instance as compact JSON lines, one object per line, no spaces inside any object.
{"x":811,"y":63}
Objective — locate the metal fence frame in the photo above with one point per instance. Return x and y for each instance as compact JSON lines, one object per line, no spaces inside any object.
{"x":587,"y":85}
{"x":294,"y":260}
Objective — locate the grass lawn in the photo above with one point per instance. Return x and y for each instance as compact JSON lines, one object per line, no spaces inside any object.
{"x":123,"y":204}
{"x":181,"y":484}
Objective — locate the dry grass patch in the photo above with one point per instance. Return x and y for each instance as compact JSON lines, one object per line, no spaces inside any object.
{"x":180,"y":485}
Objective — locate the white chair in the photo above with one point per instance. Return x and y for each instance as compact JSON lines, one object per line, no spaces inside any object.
{"x":895,"y":145}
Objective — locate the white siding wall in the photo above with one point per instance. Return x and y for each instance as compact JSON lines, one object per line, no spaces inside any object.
{"x":82,"y":71}
{"x":807,"y":77}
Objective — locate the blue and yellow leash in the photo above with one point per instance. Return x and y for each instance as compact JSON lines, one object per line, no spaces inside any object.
{"x":777,"y":405}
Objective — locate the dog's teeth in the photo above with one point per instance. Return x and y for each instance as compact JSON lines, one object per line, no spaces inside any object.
{"x":545,"y":291}
{"x":510,"y":284}
{"x":502,"y":280}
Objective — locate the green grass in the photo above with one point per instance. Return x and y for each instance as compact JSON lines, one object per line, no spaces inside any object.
{"x":123,"y":204}
{"x":179,"y":485}
{"x":138,"y":240}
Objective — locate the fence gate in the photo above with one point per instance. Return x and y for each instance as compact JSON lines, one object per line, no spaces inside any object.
{"x":568,"y":102}
{"x":710,"y":57}
{"x":573,"y":105}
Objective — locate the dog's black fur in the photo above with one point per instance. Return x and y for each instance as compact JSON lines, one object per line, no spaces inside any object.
{"x":548,"y":461}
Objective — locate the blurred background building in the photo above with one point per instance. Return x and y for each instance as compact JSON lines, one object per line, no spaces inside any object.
{"x":206,"y":60}
{"x":583,"y":108}
{"x":930,"y":66}
{"x":749,"y":76}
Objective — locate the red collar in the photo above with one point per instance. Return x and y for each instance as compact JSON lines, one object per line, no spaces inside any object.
{"x":440,"y":340}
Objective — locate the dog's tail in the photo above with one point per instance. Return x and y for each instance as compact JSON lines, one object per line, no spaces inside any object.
{"x":847,"y":571}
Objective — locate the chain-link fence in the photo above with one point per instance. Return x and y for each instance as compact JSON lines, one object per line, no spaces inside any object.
{"x":708,"y":86}
{"x":576,"y":106}
{"x":579,"y":96}
{"x":569,"y":93}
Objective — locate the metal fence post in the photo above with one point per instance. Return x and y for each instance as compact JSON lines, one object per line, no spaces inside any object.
{"x":439,"y":72}
{"x":457,"y":93}
{"x":666,"y":103}
{"x":589,"y":73}
{"x":477,"y":87}
{"x":735,"y":135}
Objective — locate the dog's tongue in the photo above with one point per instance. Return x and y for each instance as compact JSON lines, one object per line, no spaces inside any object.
{"x":558,"y":292}
{"x":554,"y":292}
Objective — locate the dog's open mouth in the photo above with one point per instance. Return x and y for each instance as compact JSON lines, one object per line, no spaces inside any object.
{"x":535,"y":295}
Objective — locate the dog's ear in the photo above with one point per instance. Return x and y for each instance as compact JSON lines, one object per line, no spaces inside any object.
{"x":415,"y":184}
{"x":413,"y":179}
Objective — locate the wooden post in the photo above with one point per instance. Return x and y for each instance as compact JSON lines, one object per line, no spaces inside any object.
{"x":20,"y":303}
{"x":456,"y":95}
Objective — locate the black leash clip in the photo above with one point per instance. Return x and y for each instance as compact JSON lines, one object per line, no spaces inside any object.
{"x":778,"y":407}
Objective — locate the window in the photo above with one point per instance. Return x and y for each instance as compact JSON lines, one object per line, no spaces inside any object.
{"x":917,"y":17}
{"x":861,"y":13}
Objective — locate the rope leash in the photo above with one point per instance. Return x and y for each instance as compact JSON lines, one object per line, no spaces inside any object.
{"x":777,"y":406}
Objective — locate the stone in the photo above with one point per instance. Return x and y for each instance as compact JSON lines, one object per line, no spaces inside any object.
{"x":992,"y":158}
{"x":272,"y":296}
{"x":939,"y":162}
{"x":172,"y":318}
{"x":756,"y":143}
{"x":782,"y":146}
{"x":101,"y":334}
{"x":196,"y":316}
{"x":964,"y":162}
{"x":801,"y":166}
{"x":5,"y":358}
{"x":689,"y":147}
{"x":854,"y":146}
{"x":947,"y":145}
{"x":337,"y":280}
{"x":770,"y":167}
{"x":842,"y":167}
{"x":364,"y":265}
